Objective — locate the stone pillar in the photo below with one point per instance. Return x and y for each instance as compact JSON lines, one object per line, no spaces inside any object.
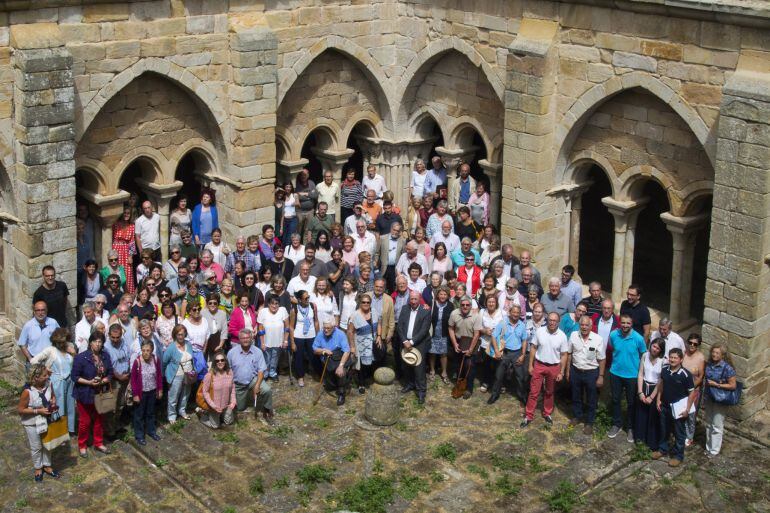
{"x":494,"y":172}
{"x":161,"y":195}
{"x":291,"y":169}
{"x":683,"y":232}
{"x":245,"y":202}
{"x":44,"y":174}
{"x":737,"y":308}
{"x":529,"y":215}
{"x":625,"y":214}
{"x":333,"y":161}
{"x":452,"y":158}
{"x":107,"y":210}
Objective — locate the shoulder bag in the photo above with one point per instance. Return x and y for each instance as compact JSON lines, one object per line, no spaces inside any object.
{"x":726,"y":397}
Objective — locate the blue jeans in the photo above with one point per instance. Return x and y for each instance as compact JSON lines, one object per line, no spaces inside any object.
{"x":619,"y":385}
{"x":584,"y":381}
{"x":305,"y":351}
{"x":178,"y":393}
{"x":272,"y":354}
{"x":289,"y":227}
{"x":669,"y":424}
{"x":144,"y":415}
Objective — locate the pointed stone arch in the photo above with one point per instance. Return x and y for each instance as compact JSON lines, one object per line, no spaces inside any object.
{"x":358,"y":55}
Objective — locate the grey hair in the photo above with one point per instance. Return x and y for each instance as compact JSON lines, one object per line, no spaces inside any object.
{"x":143,"y":323}
{"x":207,"y":252}
{"x":533,"y":288}
{"x":112,"y":254}
{"x":554,"y":279}
{"x":175,"y":246}
{"x":665,"y":322}
{"x":96,"y":324}
{"x":418,"y":161}
{"x":466,"y":239}
{"x":89,"y":304}
{"x":467,"y":298}
{"x":244,"y":331}
{"x":498,"y":263}
{"x":442,"y":203}
{"x":98,"y":297}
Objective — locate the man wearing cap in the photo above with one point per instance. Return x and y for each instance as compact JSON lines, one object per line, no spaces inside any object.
{"x":464,"y":331}
{"x":331,"y":345}
{"x":414,"y":332}
{"x":358,"y":215}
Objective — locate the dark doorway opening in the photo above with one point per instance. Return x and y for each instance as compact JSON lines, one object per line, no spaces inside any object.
{"x":653,"y":250}
{"x":597,"y":232}
{"x":313,"y":165}
{"x":191,"y":187}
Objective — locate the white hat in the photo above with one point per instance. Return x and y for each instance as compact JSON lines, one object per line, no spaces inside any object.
{"x":412,"y":356}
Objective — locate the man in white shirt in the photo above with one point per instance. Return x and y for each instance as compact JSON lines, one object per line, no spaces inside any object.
{"x":411,"y":256}
{"x":352,"y":220}
{"x":585,"y":371}
{"x":374,"y":182}
{"x":364,"y":240}
{"x":147,"y":229}
{"x":329,"y":192}
{"x":447,"y":236}
{"x":83,"y":327}
{"x":607,"y":321}
{"x":546,"y":363}
{"x":303,"y":281}
{"x":672,"y":339}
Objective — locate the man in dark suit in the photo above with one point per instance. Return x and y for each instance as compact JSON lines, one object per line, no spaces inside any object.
{"x":389,"y":249}
{"x":414,"y":331}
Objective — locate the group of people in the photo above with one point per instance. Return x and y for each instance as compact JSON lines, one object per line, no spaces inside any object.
{"x":343,"y":283}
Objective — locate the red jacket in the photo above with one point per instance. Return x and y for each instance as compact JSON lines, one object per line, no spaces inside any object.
{"x":237,"y":322}
{"x":462,"y":277}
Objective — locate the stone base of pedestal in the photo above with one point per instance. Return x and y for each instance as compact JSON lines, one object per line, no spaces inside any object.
{"x":382,"y":399}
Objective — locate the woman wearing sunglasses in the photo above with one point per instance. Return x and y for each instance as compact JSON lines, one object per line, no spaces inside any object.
{"x":219,"y":394}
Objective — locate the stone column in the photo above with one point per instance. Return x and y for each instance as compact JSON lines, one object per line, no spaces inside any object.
{"x":291,"y":168}
{"x":333,"y":161}
{"x":625,"y":214}
{"x":161,"y":195}
{"x":107,"y":210}
{"x":495,"y":174}
{"x":529,"y":216}
{"x":452,"y":158}
{"x":44,"y":174}
{"x":683,"y":232}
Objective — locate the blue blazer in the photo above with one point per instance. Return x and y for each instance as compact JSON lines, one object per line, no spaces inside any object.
{"x":172,"y":357}
{"x":83,"y":367}
{"x":196,"y":219}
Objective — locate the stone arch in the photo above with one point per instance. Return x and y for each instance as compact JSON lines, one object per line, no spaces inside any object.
{"x":363,"y":118}
{"x":284,"y":146}
{"x":94,"y":175}
{"x":575,"y":118}
{"x":634,"y":179}
{"x":201,"y":147}
{"x":421,"y":118}
{"x":357,"y":54}
{"x":327,"y":134}
{"x":428,"y":56}
{"x":693,"y":197}
{"x":205,"y":99}
{"x":580,"y":164}
{"x":156,"y":168}
{"x":460,"y":135}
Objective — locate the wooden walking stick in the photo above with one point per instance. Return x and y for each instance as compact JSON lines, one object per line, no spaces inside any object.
{"x":321,"y":383}
{"x":462,"y":383}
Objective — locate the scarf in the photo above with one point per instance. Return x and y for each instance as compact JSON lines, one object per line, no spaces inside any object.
{"x":305,"y":311}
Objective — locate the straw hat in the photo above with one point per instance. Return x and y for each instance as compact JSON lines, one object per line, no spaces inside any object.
{"x":412,"y":356}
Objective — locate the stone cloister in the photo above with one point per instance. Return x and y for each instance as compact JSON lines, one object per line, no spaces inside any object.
{"x":632,"y":141}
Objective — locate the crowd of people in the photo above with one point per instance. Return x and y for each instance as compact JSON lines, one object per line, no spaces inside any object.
{"x":342,"y":283}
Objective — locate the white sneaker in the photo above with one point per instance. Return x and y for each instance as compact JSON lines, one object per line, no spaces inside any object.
{"x":613,"y":432}
{"x":630,"y":436}
{"x":688,"y":442}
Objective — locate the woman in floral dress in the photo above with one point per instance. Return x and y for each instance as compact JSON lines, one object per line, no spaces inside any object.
{"x":124,"y":242}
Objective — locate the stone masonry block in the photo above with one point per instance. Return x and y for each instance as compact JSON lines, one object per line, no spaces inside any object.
{"x":35,"y":35}
{"x":253,"y":39}
{"x":634,"y":61}
{"x":61,"y":239}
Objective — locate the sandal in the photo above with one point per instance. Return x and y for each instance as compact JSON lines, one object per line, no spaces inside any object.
{"x":102,"y":449}
{"x":445,"y":379}
{"x":53,"y":473}
{"x":39,"y":478}
{"x":84,"y":453}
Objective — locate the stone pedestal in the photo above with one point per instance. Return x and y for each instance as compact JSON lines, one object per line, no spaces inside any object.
{"x":625,"y":214}
{"x":382,"y":400}
{"x":161,"y":195}
{"x":107,"y":209}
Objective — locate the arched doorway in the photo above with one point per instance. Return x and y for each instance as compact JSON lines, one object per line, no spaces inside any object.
{"x":315,"y":140}
{"x":428,"y":130}
{"x":358,"y":160}
{"x":597,"y":231}
{"x":653,"y":249}
{"x":187,"y":172}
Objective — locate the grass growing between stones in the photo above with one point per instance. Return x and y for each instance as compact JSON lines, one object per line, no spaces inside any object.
{"x":564,"y":497}
{"x":504,"y":486}
{"x":368,"y":495}
{"x":311,"y":475}
{"x":641,"y":452}
{"x":256,"y":486}
{"x":226,"y":438}
{"x":445,"y":451}
{"x":411,"y":485}
{"x":602,"y":422}
{"x":507,"y":464}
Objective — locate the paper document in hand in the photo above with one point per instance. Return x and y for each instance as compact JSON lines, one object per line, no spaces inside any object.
{"x":677,"y":408}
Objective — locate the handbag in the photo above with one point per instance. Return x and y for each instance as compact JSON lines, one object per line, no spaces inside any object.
{"x":104,"y":402}
{"x":200,"y":400}
{"x":726,"y":397}
{"x":57,"y":433}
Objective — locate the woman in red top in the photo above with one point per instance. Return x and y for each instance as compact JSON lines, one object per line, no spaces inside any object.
{"x":124,"y":242}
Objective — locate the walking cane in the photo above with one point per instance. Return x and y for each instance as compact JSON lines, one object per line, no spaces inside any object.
{"x":321,"y":383}
{"x":291,"y":376}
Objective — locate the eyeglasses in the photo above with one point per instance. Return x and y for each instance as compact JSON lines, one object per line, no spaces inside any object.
{"x":195,"y":309}
{"x":101,"y":303}
{"x":692,"y":343}
{"x":150,"y":284}
{"x":113,"y":259}
{"x":366,"y":302}
{"x":175,"y":252}
{"x":220,"y":360}
{"x":112,"y":281}
{"x":213,"y":302}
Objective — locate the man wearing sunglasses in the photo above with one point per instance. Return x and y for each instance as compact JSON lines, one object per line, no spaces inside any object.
{"x":112,"y":292}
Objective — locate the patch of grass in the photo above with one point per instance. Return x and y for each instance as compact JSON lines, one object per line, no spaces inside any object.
{"x":564,"y":497}
{"x":411,"y":485}
{"x":281,"y":482}
{"x":535,"y":465}
{"x":724,"y":495}
{"x":400,"y":425}
{"x":21,"y":503}
{"x":507,"y":464}
{"x":666,"y":481}
{"x":322,"y":423}
{"x":628,"y":503}
{"x":505,"y":487}
{"x":640,"y":452}
{"x":368,"y":495}
{"x":226,"y":438}
{"x":161,"y":462}
{"x":350,"y":411}
{"x":229,"y":509}
{"x":256,"y":486}
{"x":445,"y":451}
{"x":77,"y":479}
{"x":479,"y":471}
{"x":283,"y":409}
{"x":352,"y":454}
{"x":9,"y":387}
{"x":282,"y":432}
{"x":311,"y":475}
{"x":176,"y":427}
{"x":436,"y":476}
{"x":378,"y":467}
{"x":603,"y":421}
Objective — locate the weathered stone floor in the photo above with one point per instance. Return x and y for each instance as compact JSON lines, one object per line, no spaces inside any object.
{"x":498,"y":466}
